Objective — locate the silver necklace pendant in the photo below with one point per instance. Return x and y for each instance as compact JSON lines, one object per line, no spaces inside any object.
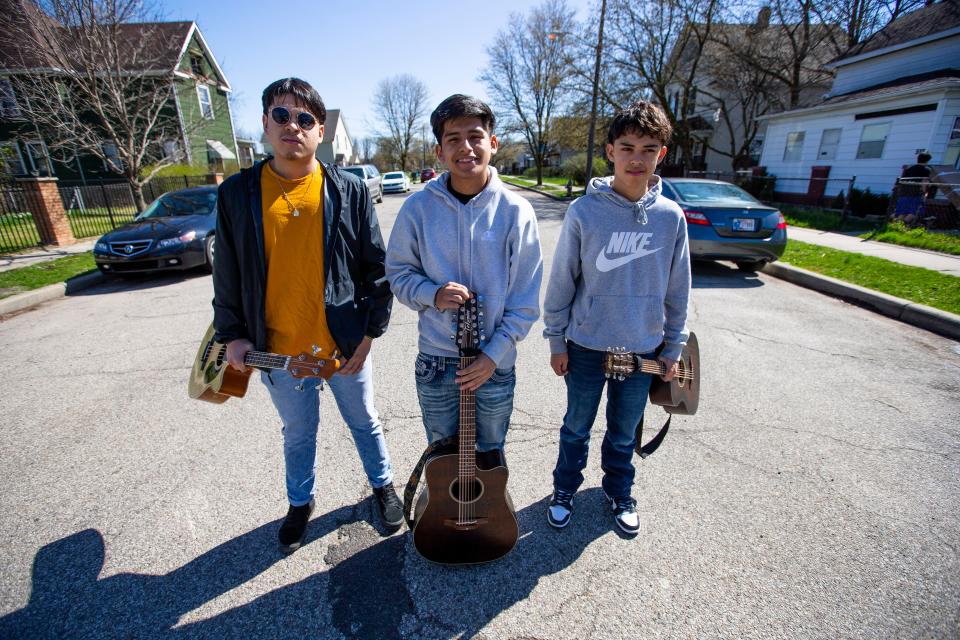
{"x":296,"y":213}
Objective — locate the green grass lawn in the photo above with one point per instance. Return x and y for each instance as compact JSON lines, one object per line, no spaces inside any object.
{"x":40,"y":275}
{"x":911,"y":283}
{"x":552,"y":186}
{"x":899,"y":233}
{"x":823,"y":220}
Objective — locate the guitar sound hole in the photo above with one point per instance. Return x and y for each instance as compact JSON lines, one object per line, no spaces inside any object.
{"x":473,"y":491}
{"x":681,"y":373}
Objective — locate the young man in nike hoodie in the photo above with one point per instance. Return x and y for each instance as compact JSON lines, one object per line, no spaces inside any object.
{"x":466,"y":235}
{"x":620,"y":278}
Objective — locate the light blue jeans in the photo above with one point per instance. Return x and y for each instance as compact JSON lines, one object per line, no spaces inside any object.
{"x":300,"y":413}
{"x":439,"y":397}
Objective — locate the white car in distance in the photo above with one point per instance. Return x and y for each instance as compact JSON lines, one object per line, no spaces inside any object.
{"x":396,"y":182}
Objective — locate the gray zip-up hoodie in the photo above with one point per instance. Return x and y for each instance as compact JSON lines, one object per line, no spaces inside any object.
{"x":491,"y":245}
{"x":621,"y":274}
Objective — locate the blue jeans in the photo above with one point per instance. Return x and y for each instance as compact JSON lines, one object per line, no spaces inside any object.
{"x":626,"y":400}
{"x":300,"y":413}
{"x":439,"y":397}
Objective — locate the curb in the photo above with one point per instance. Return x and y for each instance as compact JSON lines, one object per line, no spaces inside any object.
{"x":28,"y":299}
{"x":941,"y":322}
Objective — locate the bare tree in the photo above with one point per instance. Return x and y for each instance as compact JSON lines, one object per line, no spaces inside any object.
{"x":859,"y":19}
{"x":400,"y":103}
{"x":655,"y":53}
{"x":525,"y":73}
{"x":93,"y":83}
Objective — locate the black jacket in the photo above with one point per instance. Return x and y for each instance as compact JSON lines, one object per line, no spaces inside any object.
{"x":356,"y":293}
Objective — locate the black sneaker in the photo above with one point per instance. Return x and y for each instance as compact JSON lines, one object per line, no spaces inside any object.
{"x":389,"y":505}
{"x":625,"y":514}
{"x":560,"y":509}
{"x":294,"y":527}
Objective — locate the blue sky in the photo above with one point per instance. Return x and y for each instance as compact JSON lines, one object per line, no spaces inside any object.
{"x":345,"y":48}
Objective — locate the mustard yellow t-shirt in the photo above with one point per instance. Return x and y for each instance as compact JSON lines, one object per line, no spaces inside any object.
{"x":293,"y":247}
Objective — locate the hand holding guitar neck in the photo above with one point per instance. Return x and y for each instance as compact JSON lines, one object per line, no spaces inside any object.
{"x":236,"y":351}
{"x":450,"y":296}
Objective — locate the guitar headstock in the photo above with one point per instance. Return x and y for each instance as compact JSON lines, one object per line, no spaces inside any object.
{"x":618,"y":363}
{"x":307,"y":366}
{"x":470,"y":333}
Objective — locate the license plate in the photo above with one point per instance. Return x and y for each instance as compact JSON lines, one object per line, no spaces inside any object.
{"x":744,"y":224}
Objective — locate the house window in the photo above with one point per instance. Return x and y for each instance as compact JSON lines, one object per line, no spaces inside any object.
{"x":206,"y":107}
{"x":196,"y":65}
{"x":8,"y":100}
{"x":791,"y":152}
{"x":829,"y":142}
{"x":39,"y":158}
{"x":111,"y":157}
{"x":171,"y":150}
{"x":952,"y":154}
{"x":11,"y":161}
{"x":692,"y":101}
{"x":872,"y":139}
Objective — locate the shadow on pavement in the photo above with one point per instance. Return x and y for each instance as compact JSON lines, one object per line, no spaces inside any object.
{"x":366,"y":588}
{"x":720,"y":275}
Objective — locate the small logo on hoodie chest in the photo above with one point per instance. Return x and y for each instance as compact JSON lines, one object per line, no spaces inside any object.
{"x":624,"y":247}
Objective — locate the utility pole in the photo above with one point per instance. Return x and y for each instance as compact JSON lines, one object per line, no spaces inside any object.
{"x":596,"y":84}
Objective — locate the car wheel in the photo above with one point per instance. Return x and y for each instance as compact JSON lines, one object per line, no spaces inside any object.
{"x":209,"y":246}
{"x":380,"y":196}
{"x":751,"y":266}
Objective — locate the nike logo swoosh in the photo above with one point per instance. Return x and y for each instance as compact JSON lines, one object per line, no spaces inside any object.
{"x":605,"y":264}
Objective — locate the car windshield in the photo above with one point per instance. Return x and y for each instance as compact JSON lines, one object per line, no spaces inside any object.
{"x":357,"y":171}
{"x":711,"y":191}
{"x":393,"y":175}
{"x":180,"y":203}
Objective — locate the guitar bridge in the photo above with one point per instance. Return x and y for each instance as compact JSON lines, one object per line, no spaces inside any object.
{"x":464,"y":526}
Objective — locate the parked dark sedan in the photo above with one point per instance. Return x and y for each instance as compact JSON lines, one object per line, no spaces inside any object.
{"x":175,"y":232}
{"x":724,"y":222}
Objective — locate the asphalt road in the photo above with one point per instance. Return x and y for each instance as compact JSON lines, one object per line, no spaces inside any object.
{"x":815,"y":495}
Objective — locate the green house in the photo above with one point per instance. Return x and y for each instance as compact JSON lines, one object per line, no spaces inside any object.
{"x":200,"y":103}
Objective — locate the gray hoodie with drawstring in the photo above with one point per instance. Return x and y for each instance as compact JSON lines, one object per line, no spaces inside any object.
{"x":491,"y":245}
{"x":621,"y":273}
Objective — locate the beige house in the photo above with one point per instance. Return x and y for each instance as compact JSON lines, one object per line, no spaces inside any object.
{"x":336,"y":146}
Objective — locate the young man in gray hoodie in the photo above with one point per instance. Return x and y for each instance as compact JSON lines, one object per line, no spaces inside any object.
{"x":466,"y":235}
{"x":620,"y":278}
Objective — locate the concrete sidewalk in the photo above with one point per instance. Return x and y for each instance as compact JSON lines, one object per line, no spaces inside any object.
{"x":942,"y":262}
{"x":43,"y":254}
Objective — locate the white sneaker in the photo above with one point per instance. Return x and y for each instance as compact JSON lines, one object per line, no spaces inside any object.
{"x":625,"y":514}
{"x":560,"y":509}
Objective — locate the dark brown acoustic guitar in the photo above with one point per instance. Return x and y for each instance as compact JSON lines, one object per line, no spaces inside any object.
{"x":465,"y":515}
{"x":681,"y":395}
{"x":213,"y":380}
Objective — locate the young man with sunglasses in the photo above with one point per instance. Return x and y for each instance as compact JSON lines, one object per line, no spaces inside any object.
{"x":300,"y":268}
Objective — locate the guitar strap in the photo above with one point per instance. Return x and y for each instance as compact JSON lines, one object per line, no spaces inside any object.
{"x":644,"y":450}
{"x":411,"y":489}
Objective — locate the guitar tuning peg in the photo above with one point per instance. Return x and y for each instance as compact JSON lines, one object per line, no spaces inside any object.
{"x":483,"y":336}
{"x":453,"y":337}
{"x":299,"y":387}
{"x":315,"y":349}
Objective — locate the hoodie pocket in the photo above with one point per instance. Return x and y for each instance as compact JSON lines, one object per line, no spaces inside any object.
{"x":619,"y":321}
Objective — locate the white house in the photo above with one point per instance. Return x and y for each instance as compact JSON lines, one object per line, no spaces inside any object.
{"x":894,"y":95}
{"x":336,"y":146}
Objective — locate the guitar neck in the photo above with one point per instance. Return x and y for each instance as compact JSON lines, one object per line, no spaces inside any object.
{"x":651,"y":366}
{"x":263,"y":360}
{"x":468,"y":426}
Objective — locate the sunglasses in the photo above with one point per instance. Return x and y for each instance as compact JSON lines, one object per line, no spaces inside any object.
{"x":281,"y":115}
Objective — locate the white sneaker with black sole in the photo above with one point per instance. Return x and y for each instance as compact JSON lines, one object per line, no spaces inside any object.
{"x":560,"y":509}
{"x":625,"y":514}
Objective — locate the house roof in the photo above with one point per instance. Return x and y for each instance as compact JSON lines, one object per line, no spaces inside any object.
{"x":922,"y":25}
{"x":146,"y":47}
{"x":932,"y":81}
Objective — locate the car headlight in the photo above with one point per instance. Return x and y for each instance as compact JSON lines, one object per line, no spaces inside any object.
{"x":101,"y":247}
{"x":172,"y":242}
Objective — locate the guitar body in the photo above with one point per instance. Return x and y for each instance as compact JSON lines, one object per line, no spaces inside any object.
{"x":489,"y":533}
{"x":682,"y":394}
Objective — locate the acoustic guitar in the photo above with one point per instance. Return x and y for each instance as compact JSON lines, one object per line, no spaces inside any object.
{"x":465,"y":515}
{"x":681,"y":395}
{"x":213,"y":380}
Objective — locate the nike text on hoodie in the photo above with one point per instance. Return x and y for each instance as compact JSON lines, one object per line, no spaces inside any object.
{"x":491,"y":245}
{"x":621,"y":274}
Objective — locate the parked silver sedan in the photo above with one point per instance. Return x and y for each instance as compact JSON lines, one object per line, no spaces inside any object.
{"x":724,"y":222}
